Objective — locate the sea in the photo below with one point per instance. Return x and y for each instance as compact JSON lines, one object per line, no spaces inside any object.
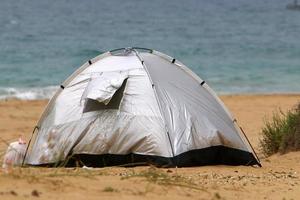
{"x":236,"y":46}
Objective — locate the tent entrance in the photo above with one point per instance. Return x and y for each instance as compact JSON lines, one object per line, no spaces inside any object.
{"x":114,"y":103}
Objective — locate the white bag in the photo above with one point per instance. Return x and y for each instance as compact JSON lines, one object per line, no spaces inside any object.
{"x":14,"y":154}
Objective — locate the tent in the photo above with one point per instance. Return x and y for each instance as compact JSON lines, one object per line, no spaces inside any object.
{"x":137,"y":106}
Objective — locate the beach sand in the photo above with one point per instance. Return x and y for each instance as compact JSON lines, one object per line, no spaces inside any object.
{"x":279,"y":178}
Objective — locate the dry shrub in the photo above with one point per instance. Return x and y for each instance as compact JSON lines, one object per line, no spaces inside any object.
{"x":282,"y":133}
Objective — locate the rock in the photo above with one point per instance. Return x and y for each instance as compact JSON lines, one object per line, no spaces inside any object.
{"x":35,"y":193}
{"x":12,"y":192}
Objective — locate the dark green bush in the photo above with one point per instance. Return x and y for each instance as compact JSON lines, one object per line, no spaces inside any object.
{"x":282,"y":133}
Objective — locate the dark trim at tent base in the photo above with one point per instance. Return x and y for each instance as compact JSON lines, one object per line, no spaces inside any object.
{"x":216,"y":155}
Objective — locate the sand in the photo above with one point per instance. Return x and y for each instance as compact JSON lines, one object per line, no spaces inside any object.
{"x":279,"y":178}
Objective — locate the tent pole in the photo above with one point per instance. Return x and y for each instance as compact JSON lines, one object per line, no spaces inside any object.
{"x":35,"y":128}
{"x":251,"y":147}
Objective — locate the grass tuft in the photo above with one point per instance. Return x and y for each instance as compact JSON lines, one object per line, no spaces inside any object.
{"x":282,"y":133}
{"x":110,"y":189}
{"x":159,"y":177}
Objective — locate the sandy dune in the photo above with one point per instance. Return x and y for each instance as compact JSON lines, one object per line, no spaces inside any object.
{"x":279,"y":178}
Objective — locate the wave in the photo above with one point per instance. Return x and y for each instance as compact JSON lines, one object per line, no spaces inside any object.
{"x":28,"y":93}
{"x":39,"y":93}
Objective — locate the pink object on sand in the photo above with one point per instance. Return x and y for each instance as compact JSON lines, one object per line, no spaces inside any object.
{"x":14,"y":154}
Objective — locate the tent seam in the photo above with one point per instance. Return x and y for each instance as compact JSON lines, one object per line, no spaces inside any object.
{"x":157,"y":100}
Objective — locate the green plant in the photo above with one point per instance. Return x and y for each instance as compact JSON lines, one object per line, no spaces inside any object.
{"x":282,"y":133}
{"x":110,"y":189}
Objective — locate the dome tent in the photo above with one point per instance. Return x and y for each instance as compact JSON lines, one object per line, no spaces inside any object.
{"x":137,"y":105}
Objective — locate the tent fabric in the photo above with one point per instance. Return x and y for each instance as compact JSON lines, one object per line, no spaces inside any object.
{"x":137,"y":106}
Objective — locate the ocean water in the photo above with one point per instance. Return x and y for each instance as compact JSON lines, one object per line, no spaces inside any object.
{"x":237,"y":46}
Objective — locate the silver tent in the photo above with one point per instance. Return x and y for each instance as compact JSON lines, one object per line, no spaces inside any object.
{"x":136,"y":105}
